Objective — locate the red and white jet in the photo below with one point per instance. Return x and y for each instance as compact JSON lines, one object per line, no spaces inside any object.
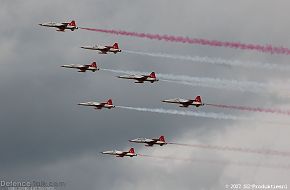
{"x":104,"y":49}
{"x":150,"y":142}
{"x":99,"y":105}
{"x":61,"y":26}
{"x":141,"y":78}
{"x":83,"y":68}
{"x":185,"y":103}
{"x":119,"y":153}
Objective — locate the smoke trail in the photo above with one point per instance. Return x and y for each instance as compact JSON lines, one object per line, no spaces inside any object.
{"x":252,"y":109}
{"x":219,"y":162}
{"x":203,"y":81}
{"x":236,"y":149}
{"x":185,"y":113}
{"x":214,"y":61}
{"x":214,"y":43}
{"x":211,"y":115}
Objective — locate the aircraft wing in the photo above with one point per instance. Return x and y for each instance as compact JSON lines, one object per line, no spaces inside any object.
{"x":76,"y":66}
{"x":96,"y":104}
{"x":61,"y":28}
{"x":186,"y":103}
{"x":64,"y":24}
{"x":61,"y":25}
{"x":82,"y":66}
{"x":121,"y":154}
{"x":136,"y":77}
{"x":103,"y":48}
{"x":139,"y":78}
{"x":151,"y":142}
{"x":99,"y":105}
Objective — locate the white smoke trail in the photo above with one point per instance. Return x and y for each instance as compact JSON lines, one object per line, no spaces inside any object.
{"x":185,"y":113}
{"x":222,"y":162}
{"x":211,"y":115}
{"x":203,"y":81}
{"x":214,"y":61}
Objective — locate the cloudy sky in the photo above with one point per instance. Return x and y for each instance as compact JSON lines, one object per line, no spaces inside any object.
{"x":45,"y":135}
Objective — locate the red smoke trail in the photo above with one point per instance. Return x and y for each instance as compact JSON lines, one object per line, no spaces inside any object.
{"x":236,"y":45}
{"x":237,"y":149}
{"x":253,"y":109}
{"x":220,"y":162}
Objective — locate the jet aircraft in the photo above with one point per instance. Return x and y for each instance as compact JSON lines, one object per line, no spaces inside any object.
{"x":141,"y":78}
{"x":119,"y":153}
{"x":83,"y":68}
{"x":61,"y":26}
{"x":150,"y":142}
{"x":184,"y":102}
{"x":99,"y":105}
{"x":104,"y":49}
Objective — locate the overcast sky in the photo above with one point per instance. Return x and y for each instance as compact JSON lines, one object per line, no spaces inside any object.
{"x":45,"y":135}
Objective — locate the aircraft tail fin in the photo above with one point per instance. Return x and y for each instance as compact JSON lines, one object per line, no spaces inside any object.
{"x":72,"y":23}
{"x":162,"y":138}
{"x":94,"y":64}
{"x":197,"y":99}
{"x":116,"y":45}
{"x":132,"y":151}
{"x":152,"y":75}
{"x":110,"y":102}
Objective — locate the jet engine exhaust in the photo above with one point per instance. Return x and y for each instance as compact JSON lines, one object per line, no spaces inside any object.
{"x":205,"y":42}
{"x":219,"y":162}
{"x":185,"y":113}
{"x":235,"y":149}
{"x":204,"y":81}
{"x":252,"y":109}
{"x":213,"y":61}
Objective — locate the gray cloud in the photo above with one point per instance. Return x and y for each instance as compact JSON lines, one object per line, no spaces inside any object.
{"x":46,"y":135}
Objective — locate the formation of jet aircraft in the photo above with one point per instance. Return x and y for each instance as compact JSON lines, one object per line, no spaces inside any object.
{"x":118,"y":153}
{"x":150,"y":142}
{"x":141,"y":78}
{"x":109,"y":104}
{"x":185,"y":102}
{"x":83,"y":68}
{"x":99,"y":105}
{"x":104,"y":49}
{"x":61,"y":26}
